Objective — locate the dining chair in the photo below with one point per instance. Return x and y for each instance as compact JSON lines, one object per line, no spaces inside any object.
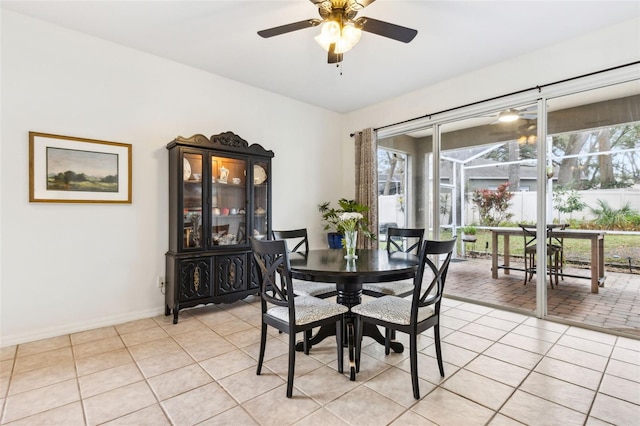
{"x":285,"y":311}
{"x":414,"y":315}
{"x":558,"y":244}
{"x":406,"y":240}
{"x":298,"y":242}
{"x":530,"y":251}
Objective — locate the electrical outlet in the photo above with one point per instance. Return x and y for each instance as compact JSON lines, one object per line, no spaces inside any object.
{"x":160,"y":281}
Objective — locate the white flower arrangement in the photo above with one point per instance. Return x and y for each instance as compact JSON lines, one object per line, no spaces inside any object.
{"x":349,"y":220}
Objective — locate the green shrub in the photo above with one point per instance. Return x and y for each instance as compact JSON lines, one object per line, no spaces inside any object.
{"x":492,"y":205}
{"x":623,"y":219}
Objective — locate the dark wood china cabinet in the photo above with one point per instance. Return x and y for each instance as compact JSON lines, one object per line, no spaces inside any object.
{"x":219,"y":195}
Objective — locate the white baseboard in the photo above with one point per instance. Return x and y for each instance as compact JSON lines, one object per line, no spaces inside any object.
{"x":78,"y":327}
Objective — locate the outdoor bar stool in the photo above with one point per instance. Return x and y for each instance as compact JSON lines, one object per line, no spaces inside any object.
{"x":530,"y":251}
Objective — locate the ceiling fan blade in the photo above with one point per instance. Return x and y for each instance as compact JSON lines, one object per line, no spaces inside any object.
{"x":283,"y":29}
{"x":386,"y":29}
{"x":333,"y":57}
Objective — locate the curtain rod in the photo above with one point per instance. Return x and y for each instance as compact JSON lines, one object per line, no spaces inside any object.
{"x":538,"y":88}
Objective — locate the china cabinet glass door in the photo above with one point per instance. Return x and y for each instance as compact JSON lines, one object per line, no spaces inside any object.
{"x":192,"y":201}
{"x":228,"y":201}
{"x":260,"y":199}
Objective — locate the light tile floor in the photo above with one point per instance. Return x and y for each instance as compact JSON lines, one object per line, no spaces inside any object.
{"x":501,"y":368}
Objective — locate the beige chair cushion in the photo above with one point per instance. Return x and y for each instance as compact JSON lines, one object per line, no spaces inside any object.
{"x":308,"y":288}
{"x":308,"y":309}
{"x":392,"y":288}
{"x":391,"y":309}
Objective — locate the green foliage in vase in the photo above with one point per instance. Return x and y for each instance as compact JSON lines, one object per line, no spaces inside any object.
{"x":331,"y":216}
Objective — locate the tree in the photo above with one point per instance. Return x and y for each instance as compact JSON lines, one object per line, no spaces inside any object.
{"x":605,"y":163}
{"x":514,"y":168}
{"x":614,"y":165}
{"x":567,"y":201}
{"x":493,"y":205}
{"x":569,"y":175}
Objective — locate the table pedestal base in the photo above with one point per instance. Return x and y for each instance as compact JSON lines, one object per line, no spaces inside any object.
{"x":350,"y":294}
{"x":349,"y":340}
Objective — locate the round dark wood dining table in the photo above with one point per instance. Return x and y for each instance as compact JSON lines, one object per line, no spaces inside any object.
{"x":371,"y":266}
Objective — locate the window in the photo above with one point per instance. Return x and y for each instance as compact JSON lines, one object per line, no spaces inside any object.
{"x":392,"y":185}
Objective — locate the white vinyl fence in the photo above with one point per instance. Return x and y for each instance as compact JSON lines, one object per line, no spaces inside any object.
{"x":523,"y":204}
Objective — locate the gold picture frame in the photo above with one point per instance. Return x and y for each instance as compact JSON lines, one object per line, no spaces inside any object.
{"x":64,"y":169}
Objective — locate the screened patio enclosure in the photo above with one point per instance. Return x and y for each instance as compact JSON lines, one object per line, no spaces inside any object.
{"x":570,"y":158}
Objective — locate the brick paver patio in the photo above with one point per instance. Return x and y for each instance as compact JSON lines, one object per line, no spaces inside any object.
{"x":616,"y":307}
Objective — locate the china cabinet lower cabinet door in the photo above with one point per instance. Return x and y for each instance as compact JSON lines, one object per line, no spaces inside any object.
{"x":231,"y":274}
{"x":195,"y":280}
{"x":189,"y":283}
{"x":254,"y":281}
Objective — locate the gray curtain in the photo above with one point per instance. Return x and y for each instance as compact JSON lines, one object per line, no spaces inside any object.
{"x":367,"y":181}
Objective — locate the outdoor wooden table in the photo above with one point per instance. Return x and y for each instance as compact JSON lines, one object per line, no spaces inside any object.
{"x":597,"y":276}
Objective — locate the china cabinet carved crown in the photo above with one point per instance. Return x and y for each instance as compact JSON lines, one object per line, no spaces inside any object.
{"x":219,"y":195}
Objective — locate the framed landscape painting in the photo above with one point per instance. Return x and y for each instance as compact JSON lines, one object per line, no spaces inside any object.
{"x":65,"y":169}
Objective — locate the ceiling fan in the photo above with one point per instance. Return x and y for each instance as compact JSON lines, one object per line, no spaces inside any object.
{"x":341,"y":30}
{"x":513,"y":114}
{"x":518,"y":123}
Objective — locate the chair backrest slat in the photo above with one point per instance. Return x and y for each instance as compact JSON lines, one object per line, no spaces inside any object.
{"x":432,"y":294}
{"x":529,"y":233}
{"x":296,"y":237}
{"x":272,"y":261}
{"x":406,"y":240}
{"x":554,"y":239}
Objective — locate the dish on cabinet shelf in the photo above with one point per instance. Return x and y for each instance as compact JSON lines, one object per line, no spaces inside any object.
{"x":259,"y":175}
{"x":186,"y":167}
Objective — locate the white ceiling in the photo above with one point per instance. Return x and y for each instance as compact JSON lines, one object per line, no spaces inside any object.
{"x":454,"y":37}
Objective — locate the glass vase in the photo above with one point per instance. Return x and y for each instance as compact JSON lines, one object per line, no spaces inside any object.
{"x":350,"y":239}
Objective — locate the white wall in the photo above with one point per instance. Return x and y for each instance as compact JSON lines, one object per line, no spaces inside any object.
{"x":71,"y":267}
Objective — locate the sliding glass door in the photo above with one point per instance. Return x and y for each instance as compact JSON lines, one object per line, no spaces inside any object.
{"x":402,"y":182}
{"x":567,"y":167}
{"x":488,"y":166}
{"x":594,"y":144}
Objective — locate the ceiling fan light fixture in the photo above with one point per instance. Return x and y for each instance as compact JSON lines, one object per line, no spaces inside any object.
{"x":349,"y":38}
{"x":330,"y":31}
{"x":329,"y":34}
{"x":344,"y":38}
{"x":508,"y":116}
